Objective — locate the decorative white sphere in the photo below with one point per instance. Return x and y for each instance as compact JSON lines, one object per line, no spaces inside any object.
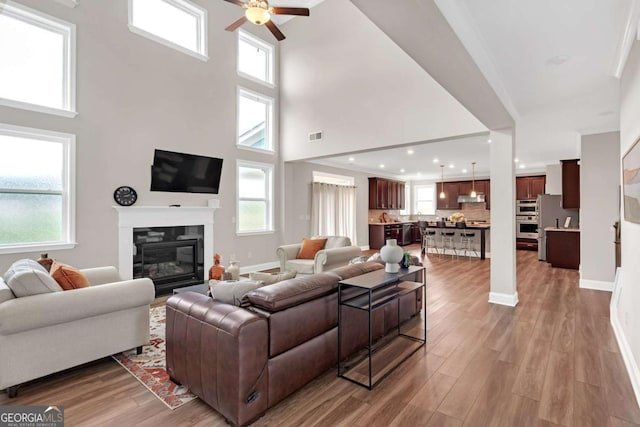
{"x":391,"y":254}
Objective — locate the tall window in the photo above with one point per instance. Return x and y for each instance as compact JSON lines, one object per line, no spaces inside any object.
{"x":255,"y":120}
{"x":425,"y":199}
{"x":179,"y":24}
{"x":255,"y":58}
{"x":255,"y":197}
{"x":36,"y":189}
{"x":37,"y":65}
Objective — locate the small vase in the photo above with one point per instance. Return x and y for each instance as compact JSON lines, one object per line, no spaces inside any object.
{"x":215,"y":272}
{"x":391,"y":254}
{"x":406,"y":260}
{"x":45,"y":261}
{"x":234,"y":269}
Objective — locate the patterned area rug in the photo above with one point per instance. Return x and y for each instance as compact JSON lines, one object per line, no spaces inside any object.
{"x":150,"y":367}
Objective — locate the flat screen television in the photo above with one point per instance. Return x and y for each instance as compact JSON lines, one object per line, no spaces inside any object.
{"x":185,"y":173}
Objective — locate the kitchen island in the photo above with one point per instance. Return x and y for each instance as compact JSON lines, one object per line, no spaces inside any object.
{"x":482,"y":227}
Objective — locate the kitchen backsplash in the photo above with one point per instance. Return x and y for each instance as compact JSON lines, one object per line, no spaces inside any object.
{"x":471,"y":211}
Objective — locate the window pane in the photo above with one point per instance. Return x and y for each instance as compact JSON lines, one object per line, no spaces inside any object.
{"x":252,"y":183}
{"x":252,"y":123}
{"x":30,"y":218}
{"x":167,"y":21}
{"x":253,"y":60}
{"x":32,"y":64}
{"x":425,"y":208}
{"x":252,"y":215}
{"x":424,"y":193}
{"x":30,"y":164}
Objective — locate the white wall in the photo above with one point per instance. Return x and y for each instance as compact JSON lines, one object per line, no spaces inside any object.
{"x":599,"y":208}
{"x":626,"y":316}
{"x":553,"y":183}
{"x":134,"y":95}
{"x":343,"y":76}
{"x":298,"y":177}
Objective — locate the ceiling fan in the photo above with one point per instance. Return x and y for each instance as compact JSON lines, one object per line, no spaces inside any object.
{"x":259,"y":12}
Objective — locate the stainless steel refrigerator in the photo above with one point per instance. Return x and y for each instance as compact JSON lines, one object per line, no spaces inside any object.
{"x":549,"y":209}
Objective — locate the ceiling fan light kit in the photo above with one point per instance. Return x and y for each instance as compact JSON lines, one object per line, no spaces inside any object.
{"x":259,"y":12}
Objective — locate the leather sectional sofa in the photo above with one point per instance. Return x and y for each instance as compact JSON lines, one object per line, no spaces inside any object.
{"x":242,"y":361}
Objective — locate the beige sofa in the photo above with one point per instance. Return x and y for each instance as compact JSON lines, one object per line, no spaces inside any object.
{"x":55,"y":330}
{"x":337,"y":252}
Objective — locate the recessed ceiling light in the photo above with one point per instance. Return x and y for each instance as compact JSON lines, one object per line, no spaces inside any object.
{"x":522,"y":166}
{"x":402,"y":171}
{"x":464,"y":171}
{"x":558,"y":60}
{"x":410,"y":151}
{"x":352,"y":159}
{"x":488,"y":141}
{"x":381,"y":166}
{"x":435,"y":160}
{"x":516,"y":160}
{"x":451,"y":166}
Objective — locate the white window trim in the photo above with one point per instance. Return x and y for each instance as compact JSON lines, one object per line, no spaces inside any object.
{"x":414,"y":204}
{"x":330,"y":178}
{"x":268,"y":126}
{"x":68,"y":31}
{"x":270,"y":193}
{"x":68,"y":142}
{"x":199,"y":12}
{"x":261,"y":44}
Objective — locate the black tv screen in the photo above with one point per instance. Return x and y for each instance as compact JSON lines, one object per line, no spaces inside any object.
{"x":185,"y":173}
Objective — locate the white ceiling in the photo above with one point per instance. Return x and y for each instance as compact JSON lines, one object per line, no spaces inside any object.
{"x":550,"y":62}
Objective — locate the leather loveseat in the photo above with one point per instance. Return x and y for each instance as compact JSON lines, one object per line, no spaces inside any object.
{"x":242,"y":361}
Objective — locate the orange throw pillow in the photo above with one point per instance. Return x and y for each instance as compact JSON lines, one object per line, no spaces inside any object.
{"x":68,"y":277}
{"x":310,"y":247}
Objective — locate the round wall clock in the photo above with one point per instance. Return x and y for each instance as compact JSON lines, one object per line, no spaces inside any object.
{"x":125,"y":196}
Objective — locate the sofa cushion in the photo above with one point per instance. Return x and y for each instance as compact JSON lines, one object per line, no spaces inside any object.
{"x":5,"y":292}
{"x":270,"y":279}
{"x":289,"y":293}
{"x":337,"y":242}
{"x":310,"y":248}
{"x":233,"y":291}
{"x":352,"y":270}
{"x":26,"y":277}
{"x":302,"y":266}
{"x":68,"y":277}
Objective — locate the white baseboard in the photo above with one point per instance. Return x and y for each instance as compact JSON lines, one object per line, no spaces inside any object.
{"x":597,"y":285}
{"x":259,"y":267}
{"x":627,"y":356}
{"x":510,"y":300}
{"x":365,"y":248}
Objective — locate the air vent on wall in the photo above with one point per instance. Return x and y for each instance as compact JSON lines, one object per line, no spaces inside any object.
{"x":316,"y":136}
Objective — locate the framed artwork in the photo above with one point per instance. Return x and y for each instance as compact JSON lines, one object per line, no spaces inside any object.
{"x":631,"y":183}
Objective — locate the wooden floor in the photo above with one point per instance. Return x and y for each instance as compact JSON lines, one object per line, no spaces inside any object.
{"x":553,"y":360}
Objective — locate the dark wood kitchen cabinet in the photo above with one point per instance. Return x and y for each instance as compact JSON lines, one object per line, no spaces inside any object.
{"x":380,"y":233}
{"x":528,"y":187}
{"x":386,"y":194}
{"x":571,"y":184}
{"x":451,"y":192}
{"x":563,"y":248}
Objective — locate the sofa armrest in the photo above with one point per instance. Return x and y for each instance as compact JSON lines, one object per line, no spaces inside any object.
{"x":328,"y":259}
{"x":101,"y":275}
{"x":287,"y":252}
{"x":38,"y":311}
{"x":220,"y":352}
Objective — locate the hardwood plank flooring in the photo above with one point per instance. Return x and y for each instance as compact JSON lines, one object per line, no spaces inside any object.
{"x":553,"y":360}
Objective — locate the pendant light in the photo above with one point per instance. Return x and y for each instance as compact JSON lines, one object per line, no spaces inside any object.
{"x":473,"y":182}
{"x":442,"y":195}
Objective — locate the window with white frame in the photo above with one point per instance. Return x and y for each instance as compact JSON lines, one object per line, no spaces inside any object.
{"x":255,"y":58}
{"x":37,"y":69}
{"x":36,"y":189}
{"x":179,"y":24}
{"x":255,"y":119}
{"x":255,"y":197}
{"x":424,"y":199}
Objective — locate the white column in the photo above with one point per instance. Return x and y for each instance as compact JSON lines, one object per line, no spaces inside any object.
{"x":503,"y":223}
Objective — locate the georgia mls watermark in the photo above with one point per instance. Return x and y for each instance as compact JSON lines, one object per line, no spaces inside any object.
{"x":31,"y":416}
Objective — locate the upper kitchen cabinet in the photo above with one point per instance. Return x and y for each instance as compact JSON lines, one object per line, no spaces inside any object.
{"x":386,"y":194}
{"x":570,"y":184}
{"x":528,"y":187}
{"x":451,"y":191}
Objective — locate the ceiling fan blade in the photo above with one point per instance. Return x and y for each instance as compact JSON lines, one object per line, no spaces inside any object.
{"x":275,"y":31}
{"x":236,"y":24}
{"x":300,"y":11}
{"x":236,"y":2}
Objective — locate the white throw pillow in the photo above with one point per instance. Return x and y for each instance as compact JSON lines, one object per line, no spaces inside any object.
{"x":5,"y":292}
{"x":270,"y":279}
{"x":26,"y":277}
{"x":233,"y":291}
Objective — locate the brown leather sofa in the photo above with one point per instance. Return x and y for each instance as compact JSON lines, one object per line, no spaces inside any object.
{"x":242,"y":361}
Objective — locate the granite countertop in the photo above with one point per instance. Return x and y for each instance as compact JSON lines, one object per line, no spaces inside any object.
{"x":572,"y":229}
{"x":392,"y":223}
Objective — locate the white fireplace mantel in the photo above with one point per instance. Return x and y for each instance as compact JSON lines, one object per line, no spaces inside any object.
{"x":160,"y":216}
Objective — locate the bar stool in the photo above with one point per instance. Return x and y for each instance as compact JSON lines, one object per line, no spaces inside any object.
{"x":446,"y":237}
{"x":466,"y":239}
{"x":428,"y":238}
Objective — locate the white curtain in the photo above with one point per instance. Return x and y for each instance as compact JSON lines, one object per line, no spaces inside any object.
{"x":333,"y":210}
